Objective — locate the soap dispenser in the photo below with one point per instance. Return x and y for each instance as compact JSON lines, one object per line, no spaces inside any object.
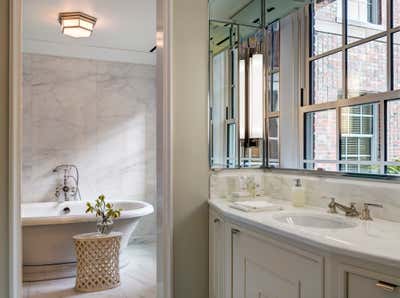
{"x":298,"y":194}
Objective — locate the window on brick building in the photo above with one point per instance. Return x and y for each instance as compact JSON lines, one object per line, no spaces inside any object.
{"x":374,"y":12}
{"x":352,"y":105}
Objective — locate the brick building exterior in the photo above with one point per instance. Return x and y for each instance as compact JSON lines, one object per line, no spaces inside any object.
{"x":366,"y":71}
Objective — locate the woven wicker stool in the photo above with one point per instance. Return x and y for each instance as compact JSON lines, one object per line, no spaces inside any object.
{"x":98,"y":261}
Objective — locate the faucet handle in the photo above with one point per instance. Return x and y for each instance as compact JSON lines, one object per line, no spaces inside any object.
{"x":332,"y":206}
{"x":365,"y":212}
{"x":373,"y":205}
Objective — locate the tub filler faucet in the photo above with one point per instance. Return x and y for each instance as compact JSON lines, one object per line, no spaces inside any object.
{"x":68,"y":189}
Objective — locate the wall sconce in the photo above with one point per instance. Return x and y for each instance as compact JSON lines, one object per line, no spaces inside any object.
{"x":76,"y":24}
{"x":256,"y":103}
{"x":242,"y":98}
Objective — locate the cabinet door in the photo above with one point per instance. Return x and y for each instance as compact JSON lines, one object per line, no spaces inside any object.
{"x":264,"y":269}
{"x":216,"y":257}
{"x":362,"y":287}
{"x":361,"y":283}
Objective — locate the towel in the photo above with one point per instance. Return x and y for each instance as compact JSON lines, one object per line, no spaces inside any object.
{"x":255,"y":206}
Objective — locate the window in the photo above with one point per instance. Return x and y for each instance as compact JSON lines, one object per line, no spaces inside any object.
{"x":326,"y":27}
{"x":359,"y":139}
{"x":352,"y":107}
{"x":273,"y":142}
{"x":272,"y":119}
{"x":365,"y":18}
{"x":321,"y":147}
{"x":327,"y":78}
{"x":374,"y":12}
{"x":396,"y":13}
{"x":366,"y":68}
{"x":393,"y":137}
{"x":396,"y":60}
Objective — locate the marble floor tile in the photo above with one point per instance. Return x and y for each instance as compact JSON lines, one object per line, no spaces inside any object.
{"x":138,"y":279}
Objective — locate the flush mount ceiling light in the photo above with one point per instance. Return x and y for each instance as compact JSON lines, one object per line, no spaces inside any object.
{"x":76,"y":24}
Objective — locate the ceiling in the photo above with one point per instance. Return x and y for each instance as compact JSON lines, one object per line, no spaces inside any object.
{"x":246,"y":11}
{"x":125,"y":29}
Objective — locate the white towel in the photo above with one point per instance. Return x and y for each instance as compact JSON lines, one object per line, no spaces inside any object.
{"x":255,"y":206}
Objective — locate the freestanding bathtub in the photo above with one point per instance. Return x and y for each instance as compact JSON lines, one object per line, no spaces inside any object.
{"x":48,"y":250}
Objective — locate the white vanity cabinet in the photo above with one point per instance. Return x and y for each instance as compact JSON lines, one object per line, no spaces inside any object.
{"x":217,"y":257}
{"x":249,"y":262}
{"x":264,"y":268}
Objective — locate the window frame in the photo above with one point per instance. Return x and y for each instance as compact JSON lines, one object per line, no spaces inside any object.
{"x":270,"y":72}
{"x":380,"y":98}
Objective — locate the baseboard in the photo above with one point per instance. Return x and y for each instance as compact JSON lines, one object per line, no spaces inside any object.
{"x":48,"y":272}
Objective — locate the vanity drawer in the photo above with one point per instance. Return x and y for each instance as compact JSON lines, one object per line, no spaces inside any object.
{"x":360,"y":286}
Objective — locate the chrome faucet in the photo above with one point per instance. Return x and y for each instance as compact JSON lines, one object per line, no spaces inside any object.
{"x":68,"y":190}
{"x":352,"y":211}
{"x":348,"y":211}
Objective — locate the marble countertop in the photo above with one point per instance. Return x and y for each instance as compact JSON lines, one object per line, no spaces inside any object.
{"x":375,"y":241}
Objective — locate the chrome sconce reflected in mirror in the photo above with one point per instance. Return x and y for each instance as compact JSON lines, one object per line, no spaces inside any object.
{"x":251,"y":99}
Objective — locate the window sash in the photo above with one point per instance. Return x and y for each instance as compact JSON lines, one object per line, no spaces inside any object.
{"x":380,"y":98}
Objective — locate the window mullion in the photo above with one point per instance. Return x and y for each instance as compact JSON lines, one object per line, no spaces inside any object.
{"x":382,"y":105}
{"x":382,"y":135}
{"x":389,"y":66}
{"x":344,"y":51}
{"x":338,"y":138}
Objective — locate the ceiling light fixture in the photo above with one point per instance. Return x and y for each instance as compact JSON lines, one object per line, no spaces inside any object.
{"x":76,"y":24}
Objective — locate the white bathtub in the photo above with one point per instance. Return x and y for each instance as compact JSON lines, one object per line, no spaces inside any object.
{"x":48,"y":250}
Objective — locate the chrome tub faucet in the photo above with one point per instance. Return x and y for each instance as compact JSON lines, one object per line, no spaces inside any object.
{"x":68,"y":189}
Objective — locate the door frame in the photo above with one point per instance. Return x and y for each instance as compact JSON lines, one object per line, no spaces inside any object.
{"x":15,"y":149}
{"x":164,"y":141}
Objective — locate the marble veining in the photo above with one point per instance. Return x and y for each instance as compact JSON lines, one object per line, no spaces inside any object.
{"x":318,"y":190}
{"x":98,"y":115}
{"x":138,"y":280}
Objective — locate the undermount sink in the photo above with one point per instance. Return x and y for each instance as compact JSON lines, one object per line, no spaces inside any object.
{"x":318,"y":221}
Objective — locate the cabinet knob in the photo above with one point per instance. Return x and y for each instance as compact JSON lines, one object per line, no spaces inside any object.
{"x":235,"y":231}
{"x":216,"y":220}
{"x":386,"y":286}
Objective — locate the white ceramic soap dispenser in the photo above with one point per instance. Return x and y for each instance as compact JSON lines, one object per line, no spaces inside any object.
{"x":298,"y":194}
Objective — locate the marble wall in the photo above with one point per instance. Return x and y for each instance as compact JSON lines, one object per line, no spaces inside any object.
{"x":318,"y":189}
{"x":100,"y":116}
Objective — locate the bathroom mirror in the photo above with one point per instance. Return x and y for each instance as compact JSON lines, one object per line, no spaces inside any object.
{"x":311,"y":86}
{"x":243,"y":51}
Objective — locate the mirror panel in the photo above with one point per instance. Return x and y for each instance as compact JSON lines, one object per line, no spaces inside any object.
{"x":223,"y":95}
{"x":312,"y":104}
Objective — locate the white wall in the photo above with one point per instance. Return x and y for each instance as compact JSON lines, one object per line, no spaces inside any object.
{"x":97,"y":115}
{"x":190,"y":147}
